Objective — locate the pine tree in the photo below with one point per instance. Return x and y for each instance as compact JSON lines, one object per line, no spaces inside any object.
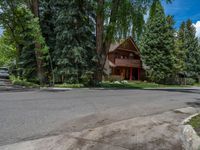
{"x":192,"y":51}
{"x":157,"y":45}
{"x":180,"y":51}
{"x":73,"y":48}
{"x":170,"y":43}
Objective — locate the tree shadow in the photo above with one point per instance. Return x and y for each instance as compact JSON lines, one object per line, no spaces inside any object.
{"x":194,"y":104}
{"x":192,"y":91}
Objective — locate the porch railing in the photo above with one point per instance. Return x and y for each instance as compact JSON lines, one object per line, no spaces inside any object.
{"x":127,"y":63}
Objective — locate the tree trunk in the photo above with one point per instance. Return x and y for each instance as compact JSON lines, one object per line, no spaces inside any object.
{"x":34,"y":5}
{"x":99,"y":38}
{"x":101,"y":45}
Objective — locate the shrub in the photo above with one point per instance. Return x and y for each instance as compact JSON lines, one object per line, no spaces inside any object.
{"x":22,"y":82}
{"x":189,"y":81}
{"x":87,"y":78}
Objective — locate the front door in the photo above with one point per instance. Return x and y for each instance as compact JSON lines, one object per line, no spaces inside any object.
{"x":135,"y":73}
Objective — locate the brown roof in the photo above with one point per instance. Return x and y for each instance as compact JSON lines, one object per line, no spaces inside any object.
{"x":115,"y":45}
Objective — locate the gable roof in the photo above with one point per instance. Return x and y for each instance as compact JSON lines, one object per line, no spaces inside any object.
{"x":115,"y":46}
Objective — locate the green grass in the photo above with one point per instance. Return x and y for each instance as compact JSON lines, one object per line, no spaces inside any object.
{"x":136,"y":85}
{"x":195,"y":123}
{"x":197,"y":84}
{"x":69,"y":85}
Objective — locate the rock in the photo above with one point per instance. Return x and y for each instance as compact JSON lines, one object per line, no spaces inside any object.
{"x":191,"y":141}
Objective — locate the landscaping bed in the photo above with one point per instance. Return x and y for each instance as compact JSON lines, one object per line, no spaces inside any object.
{"x":22,"y":82}
{"x":135,"y":85}
{"x":69,"y":85}
{"x":195,"y":123}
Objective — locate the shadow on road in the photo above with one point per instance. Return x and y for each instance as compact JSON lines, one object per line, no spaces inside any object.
{"x":194,"y":104}
{"x":192,"y":91}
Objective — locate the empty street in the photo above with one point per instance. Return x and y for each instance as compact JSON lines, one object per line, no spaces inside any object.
{"x":36,"y":114}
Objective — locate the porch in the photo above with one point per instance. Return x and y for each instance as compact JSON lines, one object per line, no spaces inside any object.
{"x":127,"y":73}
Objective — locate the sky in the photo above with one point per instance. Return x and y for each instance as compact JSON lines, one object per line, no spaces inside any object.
{"x":1,"y":31}
{"x":183,"y":10}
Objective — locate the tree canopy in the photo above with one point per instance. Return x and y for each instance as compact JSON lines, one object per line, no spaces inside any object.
{"x":68,"y":41}
{"x":157,"y":43}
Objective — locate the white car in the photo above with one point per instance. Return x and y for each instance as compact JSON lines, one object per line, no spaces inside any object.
{"x":4,"y":73}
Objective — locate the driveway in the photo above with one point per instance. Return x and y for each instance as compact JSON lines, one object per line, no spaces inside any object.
{"x":36,"y":114}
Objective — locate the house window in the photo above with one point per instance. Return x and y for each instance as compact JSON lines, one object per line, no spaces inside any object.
{"x":131,"y":55}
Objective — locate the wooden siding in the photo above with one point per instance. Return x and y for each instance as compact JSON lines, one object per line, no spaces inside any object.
{"x":128,"y":63}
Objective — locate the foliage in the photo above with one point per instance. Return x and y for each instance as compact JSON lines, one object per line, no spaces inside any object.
{"x":7,"y":51}
{"x":129,"y":18}
{"x":190,"y":81}
{"x":180,"y":50}
{"x":69,"y":34}
{"x":69,"y":85}
{"x":23,"y":82}
{"x":192,"y":51}
{"x":88,"y":79}
{"x":24,"y":33}
{"x":130,"y":85}
{"x":68,"y":28}
{"x":187,"y":51}
{"x":134,"y":85}
{"x":157,"y":44}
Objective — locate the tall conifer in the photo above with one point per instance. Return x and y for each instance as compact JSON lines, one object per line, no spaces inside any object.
{"x":157,"y":45}
{"x":68,"y":27}
{"x":192,"y":50}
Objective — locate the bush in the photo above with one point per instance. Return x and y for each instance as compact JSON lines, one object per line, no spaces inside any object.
{"x":190,"y":81}
{"x":128,"y":85}
{"x":87,"y":79}
{"x":22,"y":82}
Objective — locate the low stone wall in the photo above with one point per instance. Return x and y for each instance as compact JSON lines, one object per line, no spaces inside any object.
{"x":190,"y":139}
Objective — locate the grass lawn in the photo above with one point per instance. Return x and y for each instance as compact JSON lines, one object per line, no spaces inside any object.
{"x":69,"y":85}
{"x":198,"y":84}
{"x":136,"y":85}
{"x":195,"y":123}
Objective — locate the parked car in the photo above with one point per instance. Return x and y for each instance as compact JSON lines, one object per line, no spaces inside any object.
{"x":4,"y":73}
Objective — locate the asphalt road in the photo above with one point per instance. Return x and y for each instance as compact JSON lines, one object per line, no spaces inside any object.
{"x":34,"y":114}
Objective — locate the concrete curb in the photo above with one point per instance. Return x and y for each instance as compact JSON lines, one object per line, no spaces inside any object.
{"x":190,"y":139}
{"x":55,"y":89}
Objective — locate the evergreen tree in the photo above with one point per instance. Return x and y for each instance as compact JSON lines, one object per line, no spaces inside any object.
{"x":170,"y":41}
{"x":157,"y":45}
{"x":192,"y":51}
{"x":180,"y":53}
{"x":48,"y":15}
{"x":73,"y":47}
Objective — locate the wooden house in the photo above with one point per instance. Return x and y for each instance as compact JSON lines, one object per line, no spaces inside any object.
{"x":124,"y":61}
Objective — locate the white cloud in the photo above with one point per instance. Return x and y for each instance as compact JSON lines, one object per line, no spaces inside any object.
{"x":197,"y":26}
